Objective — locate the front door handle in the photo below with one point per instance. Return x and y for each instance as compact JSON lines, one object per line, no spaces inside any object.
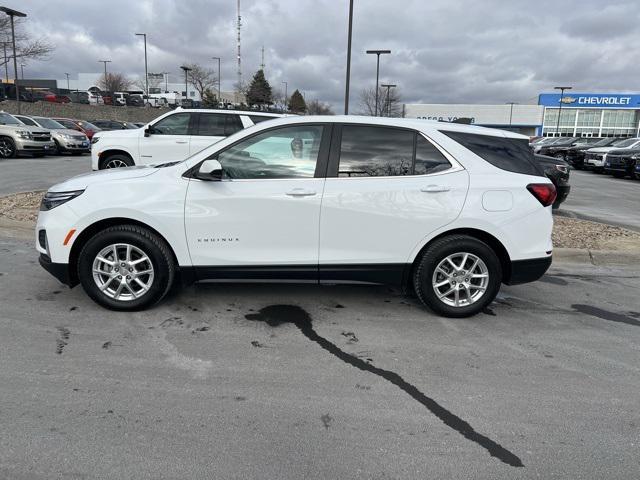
{"x":301,"y":192}
{"x":181,"y":141}
{"x":435,"y":189}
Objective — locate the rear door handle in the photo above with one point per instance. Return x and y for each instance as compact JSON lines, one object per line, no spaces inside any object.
{"x":181,"y":141}
{"x":301,"y":192}
{"x":435,"y":189}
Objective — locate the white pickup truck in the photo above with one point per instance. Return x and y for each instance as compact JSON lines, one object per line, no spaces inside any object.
{"x":171,"y":137}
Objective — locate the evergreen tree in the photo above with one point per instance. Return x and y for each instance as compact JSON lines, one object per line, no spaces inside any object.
{"x":297,"y":103}
{"x":259,"y":91}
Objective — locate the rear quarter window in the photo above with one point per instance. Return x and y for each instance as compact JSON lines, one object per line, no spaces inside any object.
{"x":510,"y":154}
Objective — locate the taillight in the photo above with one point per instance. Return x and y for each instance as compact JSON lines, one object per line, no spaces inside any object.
{"x":545,"y":193}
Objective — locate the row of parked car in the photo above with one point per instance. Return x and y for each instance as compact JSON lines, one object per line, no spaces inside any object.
{"x":619,"y":157}
{"x":38,"y":136}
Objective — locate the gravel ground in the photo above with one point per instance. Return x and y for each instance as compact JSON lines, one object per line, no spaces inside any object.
{"x":567,"y":232}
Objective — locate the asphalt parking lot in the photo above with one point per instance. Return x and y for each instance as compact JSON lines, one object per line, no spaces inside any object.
{"x":307,"y":382}
{"x":278,"y":381}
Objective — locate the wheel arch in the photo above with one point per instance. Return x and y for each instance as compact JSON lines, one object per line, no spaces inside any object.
{"x":98,"y":226}
{"x":112,"y":151}
{"x":495,"y":244}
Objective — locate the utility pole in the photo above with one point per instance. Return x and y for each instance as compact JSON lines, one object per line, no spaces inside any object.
{"x":166,"y":82}
{"x":14,"y":13}
{"x":68,"y":89}
{"x":22,"y":65}
{"x":286,"y":86}
{"x":146,"y":72}
{"x":219,"y":84}
{"x":262,"y":64}
{"x":6,"y":62}
{"x":239,"y":56}
{"x":348,"y":79}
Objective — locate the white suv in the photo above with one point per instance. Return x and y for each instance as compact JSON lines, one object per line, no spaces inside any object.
{"x":170,"y":137}
{"x":448,"y":211}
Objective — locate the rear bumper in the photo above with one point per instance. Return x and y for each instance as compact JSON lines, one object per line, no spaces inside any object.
{"x":525,"y":271}
{"x":58,"y":270}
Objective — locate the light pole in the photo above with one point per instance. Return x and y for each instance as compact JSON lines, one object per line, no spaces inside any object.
{"x":105,"y":71}
{"x":562,"y":89}
{"x":186,"y":88}
{"x":6,"y":62}
{"x":146,"y":73}
{"x":219,"y":84}
{"x":68,"y":88}
{"x":166,"y":82}
{"x":346,"y":86}
{"x":377,"y":53}
{"x":14,"y":13}
{"x":388,"y":86}
{"x":511,"y":111}
{"x":22,"y":65}
{"x":286,"y":86}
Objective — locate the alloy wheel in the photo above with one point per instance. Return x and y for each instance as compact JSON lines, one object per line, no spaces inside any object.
{"x":123,"y":272}
{"x":460,"y":279}
{"x":116,"y":163}
{"x":6,"y":148}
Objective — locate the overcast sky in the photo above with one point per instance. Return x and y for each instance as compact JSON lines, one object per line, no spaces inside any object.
{"x":443,"y":51}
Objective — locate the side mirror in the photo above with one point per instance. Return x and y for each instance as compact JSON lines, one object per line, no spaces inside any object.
{"x":148,"y":131}
{"x":210,"y":170}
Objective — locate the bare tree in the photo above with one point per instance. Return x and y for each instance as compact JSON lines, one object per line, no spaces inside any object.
{"x":114,"y":82}
{"x":153,"y":83}
{"x":390,"y":106}
{"x":315,"y":107}
{"x":201,"y":78}
{"x":27,"y":47}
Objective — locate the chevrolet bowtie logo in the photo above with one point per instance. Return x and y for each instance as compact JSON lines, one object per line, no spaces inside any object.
{"x":568,"y":100}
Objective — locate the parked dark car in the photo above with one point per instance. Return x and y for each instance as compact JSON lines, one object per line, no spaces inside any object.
{"x":559,"y":150}
{"x":551,"y":149}
{"x":114,"y":125}
{"x":557,"y":170}
{"x":622,"y":163}
{"x":79,"y":97}
{"x":575,"y":155}
{"x":135,"y":100}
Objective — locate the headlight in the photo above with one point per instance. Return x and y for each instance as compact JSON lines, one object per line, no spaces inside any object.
{"x":66,"y":136}
{"x":24,"y":134}
{"x":54,"y":199}
{"x":562,"y":168}
{"x":636,"y":156}
{"x":95,"y":139}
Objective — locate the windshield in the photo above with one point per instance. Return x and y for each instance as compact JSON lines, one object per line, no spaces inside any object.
{"x":6,"y":119}
{"x":48,"y":123}
{"x":87,"y":125}
{"x":603,"y":142}
{"x":627,"y":142}
{"x":565,"y":141}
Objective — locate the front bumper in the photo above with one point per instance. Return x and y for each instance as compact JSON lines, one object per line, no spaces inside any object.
{"x":26,"y":145}
{"x":525,"y":271}
{"x":58,"y":270}
{"x":562,"y":193}
{"x":75,"y":145}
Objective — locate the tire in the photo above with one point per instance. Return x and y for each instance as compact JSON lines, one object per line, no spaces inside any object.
{"x":38,"y":155}
{"x":116,"y":160}
{"x":455,"y":247}
{"x":58,"y":149}
{"x":617,"y":174}
{"x":127,"y":295}
{"x":7,"y":148}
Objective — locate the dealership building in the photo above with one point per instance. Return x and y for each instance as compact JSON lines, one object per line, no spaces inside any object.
{"x":583,"y":115}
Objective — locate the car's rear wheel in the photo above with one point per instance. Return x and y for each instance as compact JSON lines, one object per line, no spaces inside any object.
{"x":126,"y":267}
{"x":117,"y":160}
{"x":7,"y":148}
{"x":457,"y":276}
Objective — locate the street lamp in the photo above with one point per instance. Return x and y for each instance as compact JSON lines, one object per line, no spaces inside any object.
{"x":105,"y":71}
{"x":166,"y":82}
{"x":22,"y":65}
{"x":68,"y":88}
{"x":146,"y":73}
{"x":14,"y":13}
{"x":511,"y":111}
{"x":346,"y":86}
{"x":219,"y":84}
{"x":562,"y":89}
{"x":186,"y":88}
{"x":377,"y":53}
{"x":388,"y":86}
{"x":286,"y":86}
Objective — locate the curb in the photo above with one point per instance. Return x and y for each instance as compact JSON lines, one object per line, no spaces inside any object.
{"x":596,"y":257}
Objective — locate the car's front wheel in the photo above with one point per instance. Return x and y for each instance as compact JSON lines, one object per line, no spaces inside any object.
{"x":457,"y":276}
{"x":126,"y":267}
{"x":7,"y":148}
{"x":117,"y":161}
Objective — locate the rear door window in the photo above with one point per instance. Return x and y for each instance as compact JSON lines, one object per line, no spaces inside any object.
{"x":510,"y":154}
{"x":218,"y":124}
{"x":367,"y":151}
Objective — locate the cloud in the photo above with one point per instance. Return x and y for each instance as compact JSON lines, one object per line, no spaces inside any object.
{"x":491,"y":51}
